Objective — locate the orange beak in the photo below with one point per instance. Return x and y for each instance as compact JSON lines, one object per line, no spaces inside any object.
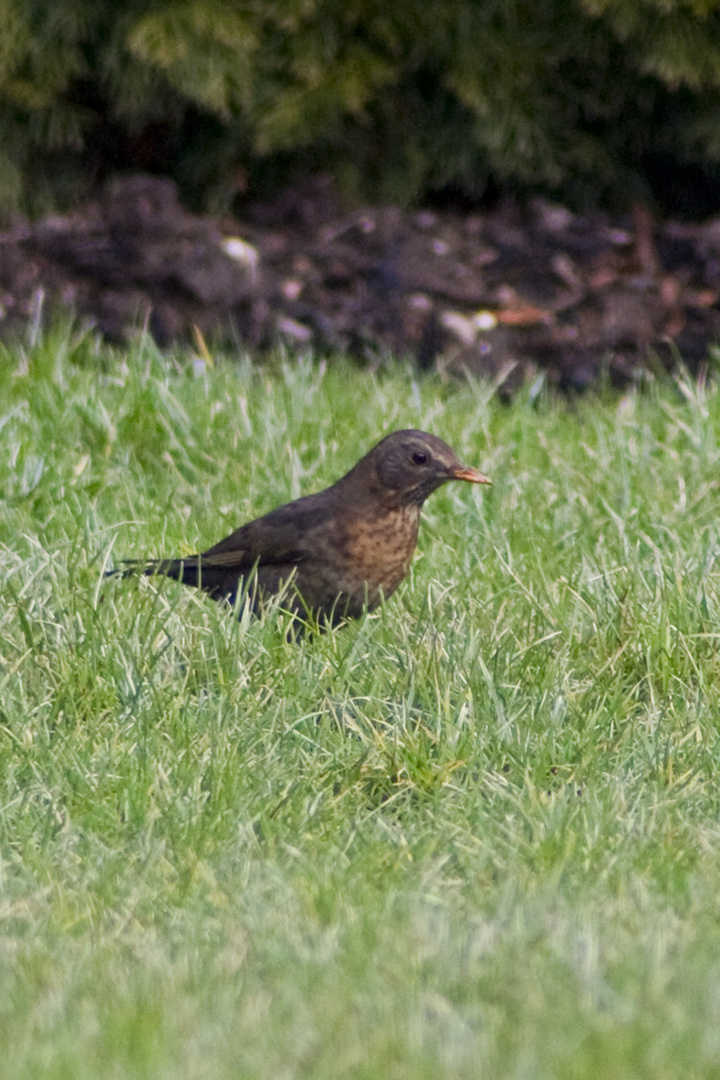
{"x":463,"y":472}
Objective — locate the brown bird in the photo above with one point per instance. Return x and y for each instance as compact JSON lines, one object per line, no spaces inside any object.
{"x":342,"y":549}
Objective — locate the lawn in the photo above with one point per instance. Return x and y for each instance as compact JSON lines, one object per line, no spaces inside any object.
{"x":476,"y":834}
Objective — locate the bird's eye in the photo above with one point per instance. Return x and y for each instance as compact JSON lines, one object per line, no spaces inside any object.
{"x":419,"y":458}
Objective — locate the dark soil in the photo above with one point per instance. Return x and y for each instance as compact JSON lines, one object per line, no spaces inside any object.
{"x":504,"y":293}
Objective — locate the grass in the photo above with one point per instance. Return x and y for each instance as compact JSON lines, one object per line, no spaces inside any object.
{"x":476,"y":834}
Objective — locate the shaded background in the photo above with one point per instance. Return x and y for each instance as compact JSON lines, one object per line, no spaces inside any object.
{"x":531,"y":154}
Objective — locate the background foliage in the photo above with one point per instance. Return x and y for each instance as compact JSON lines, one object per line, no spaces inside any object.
{"x":591,"y":98}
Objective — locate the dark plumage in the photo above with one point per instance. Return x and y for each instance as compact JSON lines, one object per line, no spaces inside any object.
{"x":343,"y":548}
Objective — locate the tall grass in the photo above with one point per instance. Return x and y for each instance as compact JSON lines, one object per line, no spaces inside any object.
{"x":475,"y":834}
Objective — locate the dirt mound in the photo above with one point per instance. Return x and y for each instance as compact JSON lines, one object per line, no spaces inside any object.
{"x":502,"y":293}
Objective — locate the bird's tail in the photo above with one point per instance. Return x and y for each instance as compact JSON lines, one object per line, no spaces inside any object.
{"x":193,"y":570}
{"x":187,"y":570}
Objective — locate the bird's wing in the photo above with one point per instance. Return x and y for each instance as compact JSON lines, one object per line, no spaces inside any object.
{"x":278,"y":542}
{"x":283,"y":536}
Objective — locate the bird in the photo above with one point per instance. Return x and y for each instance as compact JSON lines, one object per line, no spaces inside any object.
{"x":334,"y":554}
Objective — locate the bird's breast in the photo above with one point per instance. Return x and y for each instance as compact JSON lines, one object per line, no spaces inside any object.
{"x":367,"y":556}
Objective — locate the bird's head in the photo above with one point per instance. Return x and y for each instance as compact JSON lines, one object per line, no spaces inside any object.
{"x":410,"y":465}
